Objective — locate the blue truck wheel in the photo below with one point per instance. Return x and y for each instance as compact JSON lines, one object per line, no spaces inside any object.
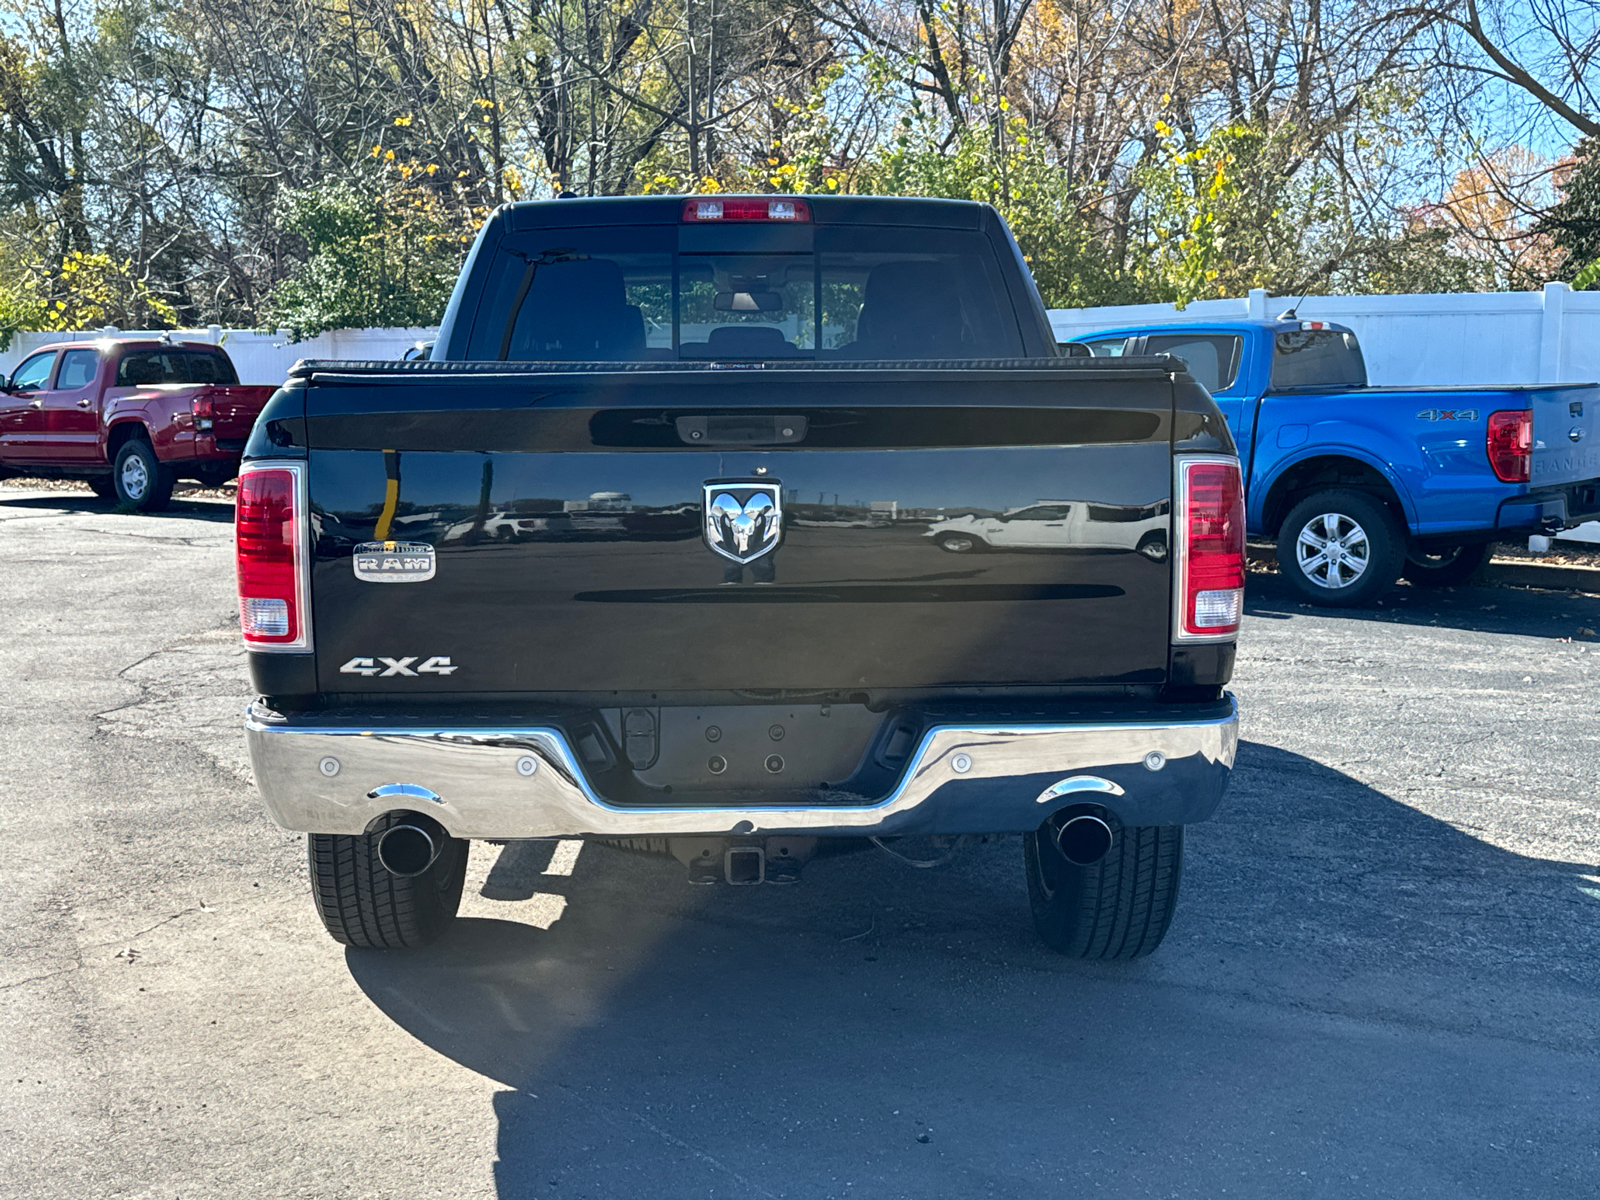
{"x":1340,"y":548}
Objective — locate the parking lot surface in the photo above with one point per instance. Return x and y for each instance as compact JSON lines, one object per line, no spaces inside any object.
{"x":1382,"y":979}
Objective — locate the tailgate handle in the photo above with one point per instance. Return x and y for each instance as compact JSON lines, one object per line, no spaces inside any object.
{"x":743,"y":430}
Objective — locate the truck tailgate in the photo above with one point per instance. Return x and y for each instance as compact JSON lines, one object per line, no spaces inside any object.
{"x":1566,"y":435}
{"x":234,"y":408}
{"x":567,"y":516}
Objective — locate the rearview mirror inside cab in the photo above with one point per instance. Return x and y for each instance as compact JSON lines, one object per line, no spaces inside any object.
{"x":749,"y":302}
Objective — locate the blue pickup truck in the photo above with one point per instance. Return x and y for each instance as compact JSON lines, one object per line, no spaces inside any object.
{"x":1363,"y":485}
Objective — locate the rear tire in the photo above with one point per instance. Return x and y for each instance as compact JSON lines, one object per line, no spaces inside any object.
{"x":1369,"y":542}
{"x":362,"y":904}
{"x":1446,"y":567}
{"x":1117,"y":908}
{"x":140,"y":480}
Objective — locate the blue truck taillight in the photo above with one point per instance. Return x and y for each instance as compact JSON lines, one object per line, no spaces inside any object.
{"x":1210,"y":563}
{"x":1510,"y":445}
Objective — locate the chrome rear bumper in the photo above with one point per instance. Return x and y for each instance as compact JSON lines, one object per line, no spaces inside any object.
{"x":526,"y":783}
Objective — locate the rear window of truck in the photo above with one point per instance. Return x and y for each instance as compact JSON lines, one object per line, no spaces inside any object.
{"x":630,"y":295}
{"x":1311,"y":358}
{"x":1212,"y":359}
{"x":142,"y":368}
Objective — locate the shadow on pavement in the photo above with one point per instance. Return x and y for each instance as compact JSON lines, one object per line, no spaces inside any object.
{"x":220,"y":511}
{"x":1355,"y":998}
{"x":1479,"y":609}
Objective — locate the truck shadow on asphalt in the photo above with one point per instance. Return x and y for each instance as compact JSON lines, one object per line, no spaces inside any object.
{"x":1531,"y":613}
{"x":87,"y":503}
{"x":879,"y":1030}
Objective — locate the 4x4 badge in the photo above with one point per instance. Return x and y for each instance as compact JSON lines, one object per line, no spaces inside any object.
{"x":744,"y":518}
{"x":383,"y":668}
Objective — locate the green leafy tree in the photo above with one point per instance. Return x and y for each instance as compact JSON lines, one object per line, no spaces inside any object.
{"x":381,"y":255}
{"x":1573,"y":223}
{"x":1416,"y":259}
{"x":211,"y":160}
{"x":79,"y":290}
{"x":1231,"y":213}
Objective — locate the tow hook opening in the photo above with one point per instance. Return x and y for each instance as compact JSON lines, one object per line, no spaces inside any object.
{"x":744,"y":865}
{"x":743,"y":862}
{"x":1083,"y":837}
{"x":408,"y":850}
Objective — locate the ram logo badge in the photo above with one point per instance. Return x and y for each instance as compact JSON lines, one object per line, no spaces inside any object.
{"x":393,"y":562}
{"x":384,"y":668}
{"x":744,"y":519}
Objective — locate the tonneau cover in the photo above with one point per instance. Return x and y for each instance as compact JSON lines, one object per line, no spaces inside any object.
{"x":1149,"y":367}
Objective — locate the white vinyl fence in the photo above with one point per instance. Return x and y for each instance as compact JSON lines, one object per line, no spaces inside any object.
{"x":258,"y":357}
{"x":1480,"y":338}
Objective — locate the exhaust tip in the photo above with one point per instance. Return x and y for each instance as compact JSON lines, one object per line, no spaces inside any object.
{"x":1084,"y":840}
{"x":407,"y":850}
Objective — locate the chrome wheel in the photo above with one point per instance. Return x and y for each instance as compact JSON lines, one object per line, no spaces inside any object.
{"x":957,"y":544}
{"x":1332,"y":550}
{"x":135,"y":477}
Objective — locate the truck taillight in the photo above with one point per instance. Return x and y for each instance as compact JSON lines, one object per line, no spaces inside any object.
{"x":1510,"y":444}
{"x":1209,"y":526}
{"x":270,"y":556}
{"x":200,"y":406}
{"x":746,"y":208}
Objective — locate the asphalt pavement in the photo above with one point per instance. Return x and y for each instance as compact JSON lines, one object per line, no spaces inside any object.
{"x":1382,"y":979}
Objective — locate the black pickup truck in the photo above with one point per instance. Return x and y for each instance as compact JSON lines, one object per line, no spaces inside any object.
{"x":649,"y":552}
